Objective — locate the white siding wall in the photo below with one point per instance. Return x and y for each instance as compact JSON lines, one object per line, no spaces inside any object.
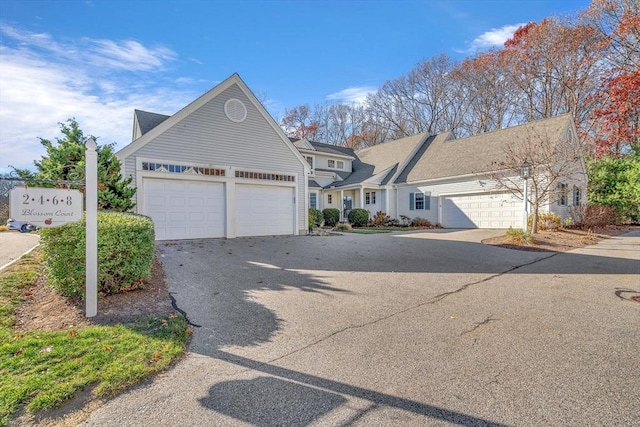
{"x":207,"y":136}
{"x":373,"y":207}
{"x":321,"y":161}
{"x":404,"y":208}
{"x":443,"y":188}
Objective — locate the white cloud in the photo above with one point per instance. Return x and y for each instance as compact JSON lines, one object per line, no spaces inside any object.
{"x":494,"y":37}
{"x":97,"y":82}
{"x":128,"y":55}
{"x":352,"y":95}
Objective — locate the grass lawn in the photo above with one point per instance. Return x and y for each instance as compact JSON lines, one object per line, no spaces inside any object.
{"x":41,"y":370}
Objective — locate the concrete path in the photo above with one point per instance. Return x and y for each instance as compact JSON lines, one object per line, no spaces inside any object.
{"x":408,"y":329}
{"x":13,"y":244}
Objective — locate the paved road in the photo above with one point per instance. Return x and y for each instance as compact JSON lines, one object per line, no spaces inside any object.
{"x":13,"y":244}
{"x":415,"y":329}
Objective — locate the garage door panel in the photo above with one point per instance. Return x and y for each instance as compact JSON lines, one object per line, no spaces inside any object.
{"x":264,"y":210}
{"x":498,"y":210}
{"x":184,"y":209}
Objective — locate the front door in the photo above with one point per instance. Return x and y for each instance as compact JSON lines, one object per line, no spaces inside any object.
{"x":347,"y":205}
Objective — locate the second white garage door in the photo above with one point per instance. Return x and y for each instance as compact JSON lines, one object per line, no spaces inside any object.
{"x":264,"y":210}
{"x":183,"y":209}
{"x":499,"y":210}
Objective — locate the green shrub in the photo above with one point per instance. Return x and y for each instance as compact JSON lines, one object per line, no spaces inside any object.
{"x":420,"y":222}
{"x":546,"y":221}
{"x":125,"y":253}
{"x":315,"y":218}
{"x":343,"y":227}
{"x":358,"y":217}
{"x":331,"y":216}
{"x":519,"y":236}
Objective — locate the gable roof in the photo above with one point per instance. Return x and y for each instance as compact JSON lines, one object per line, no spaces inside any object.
{"x":447,"y":157}
{"x":302,"y":144}
{"x":234,"y":79}
{"x":147,"y":120}
{"x":320,"y":147}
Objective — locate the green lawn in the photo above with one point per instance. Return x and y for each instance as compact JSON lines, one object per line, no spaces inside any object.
{"x":42,"y":370}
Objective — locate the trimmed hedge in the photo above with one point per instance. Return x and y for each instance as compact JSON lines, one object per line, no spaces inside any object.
{"x":125,"y":253}
{"x":315,"y":218}
{"x":331,"y":216}
{"x":359,"y":217}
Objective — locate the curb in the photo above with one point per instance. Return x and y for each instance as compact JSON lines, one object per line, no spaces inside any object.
{"x":19,"y":258}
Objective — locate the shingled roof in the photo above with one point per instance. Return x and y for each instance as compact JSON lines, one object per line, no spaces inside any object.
{"x":147,"y":120}
{"x":447,"y":157}
{"x":382,"y":160}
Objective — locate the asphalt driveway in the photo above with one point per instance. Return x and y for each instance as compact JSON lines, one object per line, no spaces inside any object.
{"x":428,"y":328}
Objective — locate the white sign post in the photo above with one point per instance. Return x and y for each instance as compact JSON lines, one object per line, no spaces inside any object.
{"x":91,"y":194}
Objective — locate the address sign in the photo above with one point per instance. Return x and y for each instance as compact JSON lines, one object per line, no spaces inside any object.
{"x":46,"y":207}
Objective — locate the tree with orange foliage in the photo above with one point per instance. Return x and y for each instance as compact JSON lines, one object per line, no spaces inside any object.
{"x":616,"y":116}
{"x":555,"y":67}
{"x":297,"y":123}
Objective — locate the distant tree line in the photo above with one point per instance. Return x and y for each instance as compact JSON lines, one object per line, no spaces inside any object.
{"x":586,"y":65}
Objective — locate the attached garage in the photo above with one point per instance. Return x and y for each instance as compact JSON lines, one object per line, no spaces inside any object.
{"x":496,"y":210}
{"x":219,"y":167}
{"x":185,"y":209}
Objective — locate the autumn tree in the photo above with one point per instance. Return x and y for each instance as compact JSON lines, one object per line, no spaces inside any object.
{"x":554,"y":67}
{"x":65,"y":160}
{"x":616,"y":117}
{"x":488,"y":97}
{"x":297,"y":123}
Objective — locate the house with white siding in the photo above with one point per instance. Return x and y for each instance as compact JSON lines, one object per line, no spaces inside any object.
{"x":449,"y":181}
{"x":222,"y":167}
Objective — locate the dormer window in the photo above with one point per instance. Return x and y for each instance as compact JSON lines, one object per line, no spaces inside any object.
{"x":335,"y":164}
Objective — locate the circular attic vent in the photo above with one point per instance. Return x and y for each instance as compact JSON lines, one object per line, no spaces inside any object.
{"x":235,"y":110}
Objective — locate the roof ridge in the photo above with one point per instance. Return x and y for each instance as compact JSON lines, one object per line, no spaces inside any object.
{"x":513,"y":127}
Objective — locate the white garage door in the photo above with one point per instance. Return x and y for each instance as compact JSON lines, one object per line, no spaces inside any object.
{"x":183,"y":209}
{"x":263,"y":210}
{"x":500,"y":210}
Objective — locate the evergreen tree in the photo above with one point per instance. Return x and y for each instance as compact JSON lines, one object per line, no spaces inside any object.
{"x":65,"y":160}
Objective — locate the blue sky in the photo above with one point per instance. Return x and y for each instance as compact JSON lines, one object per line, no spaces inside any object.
{"x":98,"y":60}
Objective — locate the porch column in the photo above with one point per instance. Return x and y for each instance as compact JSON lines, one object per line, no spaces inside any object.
{"x":341,"y":205}
{"x":361,"y":197}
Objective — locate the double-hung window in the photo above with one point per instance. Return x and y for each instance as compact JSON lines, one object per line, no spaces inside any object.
{"x":562,"y":194}
{"x":419,"y":202}
{"x":313,"y":200}
{"x":331,"y":163}
{"x":329,"y":199}
{"x":370,"y":198}
{"x":577,"y":196}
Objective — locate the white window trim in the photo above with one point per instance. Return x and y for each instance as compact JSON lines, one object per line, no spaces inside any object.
{"x":335,"y":164}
